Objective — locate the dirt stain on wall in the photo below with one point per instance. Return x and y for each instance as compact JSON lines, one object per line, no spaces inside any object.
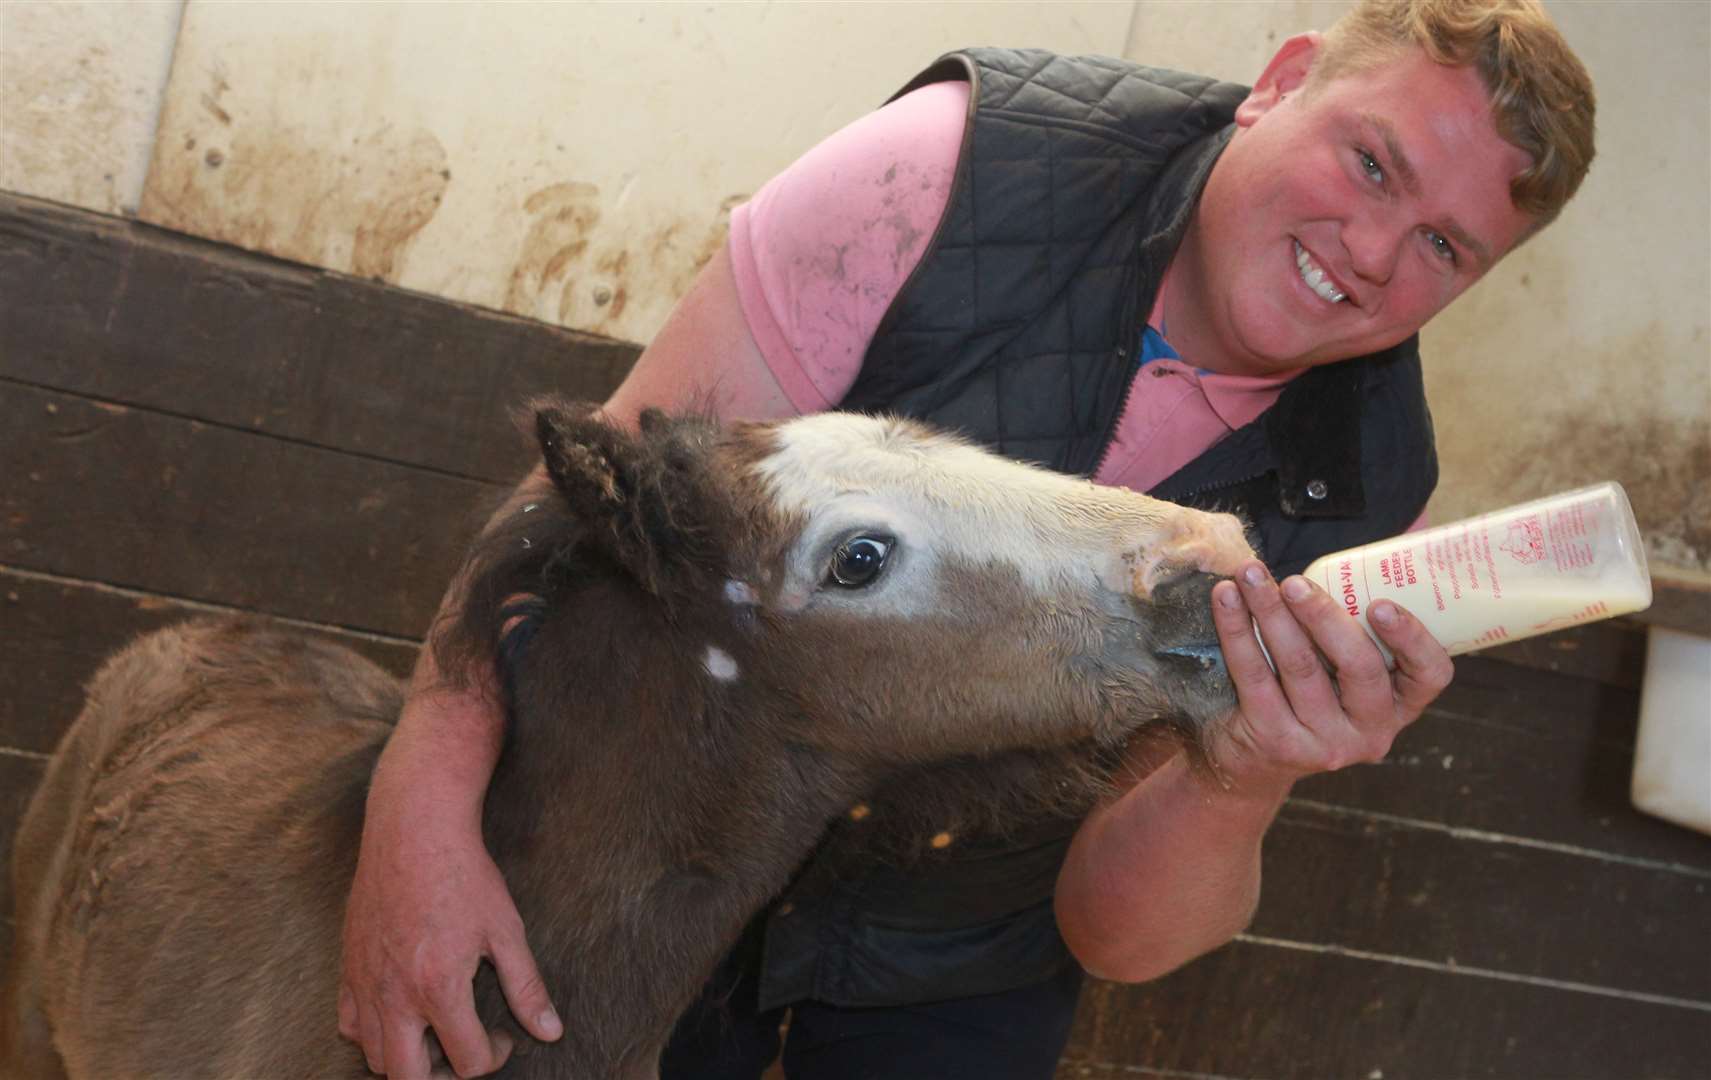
{"x":1661,"y":462}
{"x":406,"y":199}
{"x":353,"y":207}
{"x":217,"y":85}
{"x":583,"y":267}
{"x":1536,"y":390}
{"x":562,"y":218}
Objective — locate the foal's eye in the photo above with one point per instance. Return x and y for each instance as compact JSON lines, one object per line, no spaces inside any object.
{"x":859,"y":560}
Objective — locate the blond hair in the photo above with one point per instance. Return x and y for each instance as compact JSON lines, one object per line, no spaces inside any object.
{"x":1541,"y":95}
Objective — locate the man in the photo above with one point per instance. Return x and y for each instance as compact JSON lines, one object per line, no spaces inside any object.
{"x":1267,"y":256}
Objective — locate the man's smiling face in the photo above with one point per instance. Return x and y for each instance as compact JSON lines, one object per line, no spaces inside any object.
{"x":1347,"y":212}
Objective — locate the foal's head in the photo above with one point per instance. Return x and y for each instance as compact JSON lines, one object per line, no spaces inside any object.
{"x":890,"y":593}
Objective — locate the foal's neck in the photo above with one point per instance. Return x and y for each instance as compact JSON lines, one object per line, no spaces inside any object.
{"x":638,"y":837}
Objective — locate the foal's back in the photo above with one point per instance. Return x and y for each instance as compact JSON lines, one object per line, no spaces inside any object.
{"x":280,"y":733}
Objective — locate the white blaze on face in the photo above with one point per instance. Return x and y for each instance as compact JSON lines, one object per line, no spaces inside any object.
{"x":944,"y":499}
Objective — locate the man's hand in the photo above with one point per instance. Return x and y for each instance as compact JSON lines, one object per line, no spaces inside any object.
{"x":1307,"y":719}
{"x":426,"y":907}
{"x":1170,"y":868}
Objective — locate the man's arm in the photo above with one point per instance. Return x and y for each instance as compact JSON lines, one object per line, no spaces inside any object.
{"x":1170,"y":869}
{"x":428,"y":904}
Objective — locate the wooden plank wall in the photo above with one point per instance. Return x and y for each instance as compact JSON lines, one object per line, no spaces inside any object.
{"x":185,"y":428}
{"x":1485,"y":903}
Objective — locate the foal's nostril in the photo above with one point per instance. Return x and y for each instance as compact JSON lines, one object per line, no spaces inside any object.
{"x":1208,"y":658}
{"x":1185,"y":638}
{"x":1184,"y":585}
{"x":1173,"y":580}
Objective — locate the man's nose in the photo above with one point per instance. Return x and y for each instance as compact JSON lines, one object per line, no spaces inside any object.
{"x":1374,"y":244}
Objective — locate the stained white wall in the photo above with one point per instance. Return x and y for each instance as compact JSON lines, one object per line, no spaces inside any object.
{"x":577,"y":162}
{"x":570,"y":162}
{"x":81,"y":86}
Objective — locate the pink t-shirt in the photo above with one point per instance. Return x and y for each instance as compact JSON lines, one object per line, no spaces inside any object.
{"x":820,"y":251}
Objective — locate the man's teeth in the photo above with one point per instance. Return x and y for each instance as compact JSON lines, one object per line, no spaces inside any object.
{"x":1315,"y":277}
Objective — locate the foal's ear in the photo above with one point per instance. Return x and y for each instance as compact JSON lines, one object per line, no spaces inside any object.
{"x":638,"y":495}
{"x":589,"y":460}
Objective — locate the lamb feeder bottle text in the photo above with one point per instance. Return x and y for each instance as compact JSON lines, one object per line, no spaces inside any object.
{"x":1529,"y":569}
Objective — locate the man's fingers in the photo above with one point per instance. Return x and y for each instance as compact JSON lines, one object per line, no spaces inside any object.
{"x":406,"y":1049}
{"x":1423,"y":668}
{"x":468,"y":1047}
{"x":349,"y":1026}
{"x":373,"y":1038}
{"x":1256,"y":686}
{"x":1362,"y":681}
{"x":525,"y":991}
{"x":499,"y":1047}
{"x":1293,"y":653}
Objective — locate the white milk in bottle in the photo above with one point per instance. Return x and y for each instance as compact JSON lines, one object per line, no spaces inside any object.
{"x":1529,"y":569}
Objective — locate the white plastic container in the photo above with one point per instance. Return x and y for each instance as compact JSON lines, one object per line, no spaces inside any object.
{"x":1672,"y":753}
{"x":1529,"y":569}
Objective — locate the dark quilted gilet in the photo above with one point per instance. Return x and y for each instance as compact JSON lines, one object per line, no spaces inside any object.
{"x":1029,"y":301}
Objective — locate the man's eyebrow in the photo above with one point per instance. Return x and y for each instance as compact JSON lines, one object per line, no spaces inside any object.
{"x":1393,"y":147}
{"x":1411,"y":183}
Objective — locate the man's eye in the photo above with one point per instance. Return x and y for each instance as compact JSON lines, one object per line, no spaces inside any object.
{"x":1369,"y":165}
{"x":1442,"y":248}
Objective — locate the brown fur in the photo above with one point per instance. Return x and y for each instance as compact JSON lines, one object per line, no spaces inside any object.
{"x":181,"y":872}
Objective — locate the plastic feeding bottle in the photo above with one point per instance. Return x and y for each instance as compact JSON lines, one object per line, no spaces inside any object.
{"x":1529,"y":569}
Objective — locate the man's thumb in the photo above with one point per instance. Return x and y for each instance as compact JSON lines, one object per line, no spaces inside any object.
{"x":525,"y":990}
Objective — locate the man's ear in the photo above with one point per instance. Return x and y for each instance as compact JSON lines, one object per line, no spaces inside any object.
{"x":1285,"y":74}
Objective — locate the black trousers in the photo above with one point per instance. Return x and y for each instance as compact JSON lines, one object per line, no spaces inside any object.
{"x":1015,"y":1035}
